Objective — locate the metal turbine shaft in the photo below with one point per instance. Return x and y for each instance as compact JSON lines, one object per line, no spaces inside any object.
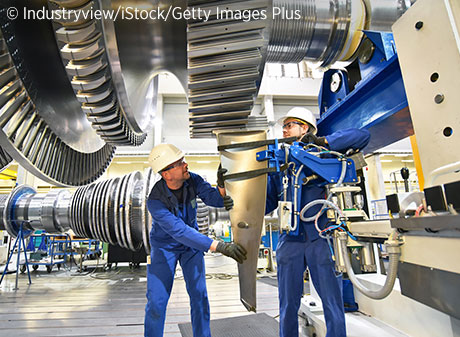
{"x":328,"y":31}
{"x":382,"y":14}
{"x":112,"y":211}
{"x":319,"y":35}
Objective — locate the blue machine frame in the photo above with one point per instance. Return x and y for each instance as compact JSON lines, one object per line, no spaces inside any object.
{"x":378,"y":102}
{"x":314,"y":169}
{"x":327,"y":169}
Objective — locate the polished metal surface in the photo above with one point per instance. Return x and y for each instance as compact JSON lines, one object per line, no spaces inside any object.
{"x":381,"y":14}
{"x":324,"y":32}
{"x":10,"y":220}
{"x":217,"y":214}
{"x":150,"y":180}
{"x":54,"y":211}
{"x":226,"y":56}
{"x":226,"y":59}
{"x":292,"y":40}
{"x":140,"y":49}
{"x":249,"y":195}
{"x":48,"y":212}
{"x":112,"y":211}
{"x":28,"y":137}
{"x":62,"y":79}
{"x":99,"y":90}
{"x":5,"y":159}
{"x":367,"y":258}
{"x":3,"y":199}
{"x":38,"y":65}
{"x":202,"y":217}
{"x":318,"y":31}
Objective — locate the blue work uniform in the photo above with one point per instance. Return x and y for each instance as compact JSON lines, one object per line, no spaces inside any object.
{"x":295,"y":253}
{"x":174,"y":237}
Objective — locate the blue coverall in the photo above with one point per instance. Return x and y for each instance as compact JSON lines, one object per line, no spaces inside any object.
{"x":175,"y":238}
{"x":295,"y":253}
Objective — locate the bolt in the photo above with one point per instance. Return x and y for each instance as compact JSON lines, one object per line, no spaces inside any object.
{"x":419,"y":25}
{"x":439,"y":98}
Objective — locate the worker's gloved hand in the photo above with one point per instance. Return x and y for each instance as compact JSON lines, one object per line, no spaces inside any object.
{"x":228,"y":202}
{"x":233,"y":250}
{"x":311,"y":138}
{"x":220,"y":176}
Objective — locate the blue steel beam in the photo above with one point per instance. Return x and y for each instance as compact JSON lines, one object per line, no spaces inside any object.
{"x":378,"y":102}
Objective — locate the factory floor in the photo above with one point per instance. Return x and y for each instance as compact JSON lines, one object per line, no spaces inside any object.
{"x":111,"y":303}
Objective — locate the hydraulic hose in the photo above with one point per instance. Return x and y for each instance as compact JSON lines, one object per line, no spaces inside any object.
{"x":314,"y":203}
{"x":342,"y":173}
{"x":394,"y":252}
{"x":326,"y":201}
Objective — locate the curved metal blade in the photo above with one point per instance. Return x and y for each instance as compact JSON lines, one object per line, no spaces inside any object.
{"x":248,"y":212}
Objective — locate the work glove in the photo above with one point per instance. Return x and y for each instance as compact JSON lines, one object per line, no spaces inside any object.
{"x":228,"y":202}
{"x":233,"y":250}
{"x":311,"y":138}
{"x":220,"y":176}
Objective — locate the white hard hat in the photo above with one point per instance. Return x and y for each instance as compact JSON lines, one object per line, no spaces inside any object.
{"x":163,"y":155}
{"x":303,"y":114}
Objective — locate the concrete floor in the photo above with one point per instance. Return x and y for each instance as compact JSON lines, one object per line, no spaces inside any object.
{"x":111,"y":303}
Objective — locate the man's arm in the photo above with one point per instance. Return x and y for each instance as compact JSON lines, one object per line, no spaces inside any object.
{"x":273,"y":191}
{"x":189,"y":236}
{"x":342,"y":140}
{"x":211,"y":196}
{"x":176,"y":227}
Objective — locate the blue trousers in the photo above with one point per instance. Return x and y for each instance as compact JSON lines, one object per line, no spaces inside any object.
{"x":292,"y":259}
{"x":160,"y":278}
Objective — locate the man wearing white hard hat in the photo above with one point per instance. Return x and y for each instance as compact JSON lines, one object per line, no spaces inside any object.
{"x":175,"y":238}
{"x":295,"y":253}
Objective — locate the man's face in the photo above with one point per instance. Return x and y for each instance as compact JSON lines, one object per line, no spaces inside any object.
{"x":293,"y":128}
{"x":177,"y":171}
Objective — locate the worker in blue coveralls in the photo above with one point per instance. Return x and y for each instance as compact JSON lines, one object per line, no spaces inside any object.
{"x":175,"y":238}
{"x":295,"y":253}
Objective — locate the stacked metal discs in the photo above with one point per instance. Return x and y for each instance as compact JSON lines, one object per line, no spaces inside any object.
{"x":85,"y":56}
{"x":226,"y":58}
{"x":112,"y":211}
{"x":202,"y":217}
{"x":31,"y":139}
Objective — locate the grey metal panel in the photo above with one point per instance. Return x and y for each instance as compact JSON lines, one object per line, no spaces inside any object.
{"x":247,"y":326}
{"x":434,"y":223}
{"x":436,"y":288}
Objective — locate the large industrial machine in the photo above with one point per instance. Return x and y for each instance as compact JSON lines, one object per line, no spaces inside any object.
{"x":395,"y":86}
{"x":72,"y":88}
{"x":76,"y":84}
